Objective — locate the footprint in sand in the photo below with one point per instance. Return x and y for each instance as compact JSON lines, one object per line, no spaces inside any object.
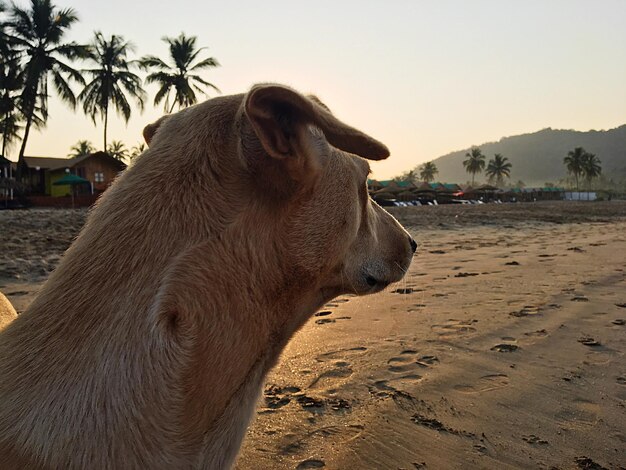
{"x":391,"y":384}
{"x":277,"y":397}
{"x":485,"y":384}
{"x":416,"y":308}
{"x":582,"y":414}
{"x":454,"y":328}
{"x":527,"y":311}
{"x":298,"y":443}
{"x":464,"y":274}
{"x":341,"y":354}
{"x":17,"y":293}
{"x":427,"y":361}
{"x":341,"y":370}
{"x":589,"y":341}
{"x":323,"y":313}
{"x":538,"y":333}
{"x":311,"y":463}
{"x":406,"y":290}
{"x":505,"y":347}
{"x":532,"y":439}
{"x":401,"y":364}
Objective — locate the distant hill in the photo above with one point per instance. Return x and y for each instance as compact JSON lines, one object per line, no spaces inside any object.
{"x":538,"y":157}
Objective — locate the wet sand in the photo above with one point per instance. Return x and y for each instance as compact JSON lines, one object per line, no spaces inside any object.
{"x":502,"y":348}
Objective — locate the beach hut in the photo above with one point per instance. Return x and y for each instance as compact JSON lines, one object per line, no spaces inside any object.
{"x":487,"y":192}
{"x":99,"y":168}
{"x":7,"y":181}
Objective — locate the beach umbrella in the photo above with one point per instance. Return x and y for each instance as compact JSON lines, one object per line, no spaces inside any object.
{"x":71,"y":180}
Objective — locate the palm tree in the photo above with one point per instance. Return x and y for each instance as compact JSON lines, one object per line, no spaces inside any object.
{"x":498,"y":168}
{"x":110,"y":80}
{"x":81,"y":148}
{"x":428,"y":171}
{"x":475,"y":162}
{"x":5,"y":37}
{"x":38,"y":33}
{"x":11,"y":104}
{"x":574,"y":163}
{"x":137,"y":150}
{"x":591,"y":167}
{"x":10,"y":86}
{"x":118,"y":150}
{"x":183,"y":53}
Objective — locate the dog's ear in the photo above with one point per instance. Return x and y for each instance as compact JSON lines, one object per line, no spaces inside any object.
{"x":279,"y":114}
{"x":151,"y":129}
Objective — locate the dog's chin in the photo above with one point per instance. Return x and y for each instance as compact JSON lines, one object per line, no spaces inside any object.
{"x":373,"y":281}
{"x":367,"y":284}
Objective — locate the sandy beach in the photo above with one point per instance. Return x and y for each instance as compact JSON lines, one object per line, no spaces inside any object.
{"x":502,"y":348}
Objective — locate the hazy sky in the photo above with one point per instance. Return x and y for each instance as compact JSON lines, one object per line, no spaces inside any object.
{"x":424,"y":77}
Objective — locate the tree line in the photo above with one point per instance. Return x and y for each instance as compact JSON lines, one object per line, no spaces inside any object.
{"x":35,"y":55}
{"x":579,"y":163}
{"x":497,"y":169}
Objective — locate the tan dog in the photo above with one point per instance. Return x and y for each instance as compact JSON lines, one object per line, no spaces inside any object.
{"x":7,"y":312}
{"x":148,"y":346}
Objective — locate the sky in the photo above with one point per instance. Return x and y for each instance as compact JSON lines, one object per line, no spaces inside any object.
{"x":424,"y":77}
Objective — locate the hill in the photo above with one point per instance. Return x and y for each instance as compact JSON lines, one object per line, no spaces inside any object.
{"x":538,"y":157}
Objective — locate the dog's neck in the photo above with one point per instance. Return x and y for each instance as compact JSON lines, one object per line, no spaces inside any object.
{"x":191,"y":310}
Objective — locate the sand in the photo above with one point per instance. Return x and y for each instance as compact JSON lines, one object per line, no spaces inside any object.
{"x":502,"y":348}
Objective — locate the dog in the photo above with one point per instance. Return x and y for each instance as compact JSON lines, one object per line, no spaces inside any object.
{"x":149,"y":344}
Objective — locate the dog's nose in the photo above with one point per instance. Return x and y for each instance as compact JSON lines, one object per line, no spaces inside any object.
{"x":413,"y":244}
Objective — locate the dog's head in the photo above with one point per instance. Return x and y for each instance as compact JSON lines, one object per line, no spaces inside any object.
{"x":302,"y":175}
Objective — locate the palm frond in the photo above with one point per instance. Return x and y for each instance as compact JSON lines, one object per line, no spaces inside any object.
{"x":154,"y":62}
{"x":206,"y":63}
{"x":198,"y":79}
{"x":163,"y":93}
{"x":63,"y":89}
{"x":69,"y":71}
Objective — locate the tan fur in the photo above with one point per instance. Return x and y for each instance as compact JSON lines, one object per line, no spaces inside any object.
{"x":149,"y":344}
{"x":7,"y":312}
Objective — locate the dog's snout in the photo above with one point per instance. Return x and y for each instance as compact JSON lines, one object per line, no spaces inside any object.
{"x":413,"y":244}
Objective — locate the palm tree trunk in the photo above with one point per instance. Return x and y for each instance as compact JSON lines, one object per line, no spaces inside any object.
{"x":5,"y":133}
{"x":20,"y":160}
{"x":106,"y":123}
{"x":172,"y":108}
